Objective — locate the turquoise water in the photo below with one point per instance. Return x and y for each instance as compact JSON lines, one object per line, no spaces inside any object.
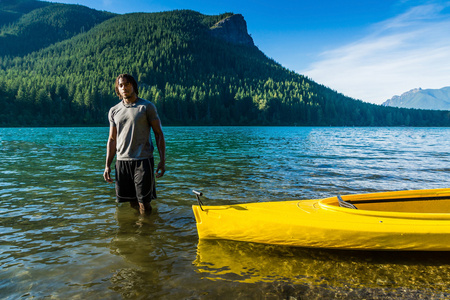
{"x":62,"y":234}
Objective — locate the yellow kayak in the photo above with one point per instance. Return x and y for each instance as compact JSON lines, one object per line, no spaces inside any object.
{"x":404,"y":220}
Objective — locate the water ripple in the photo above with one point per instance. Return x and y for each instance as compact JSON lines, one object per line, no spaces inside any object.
{"x":63,"y":236}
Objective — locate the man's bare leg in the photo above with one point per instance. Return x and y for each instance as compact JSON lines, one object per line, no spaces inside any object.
{"x":143,"y":208}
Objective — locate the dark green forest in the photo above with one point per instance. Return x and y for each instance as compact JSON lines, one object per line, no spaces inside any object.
{"x":58,"y":64}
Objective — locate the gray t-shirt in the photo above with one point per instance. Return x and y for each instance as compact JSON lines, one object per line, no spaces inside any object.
{"x":133,"y":129}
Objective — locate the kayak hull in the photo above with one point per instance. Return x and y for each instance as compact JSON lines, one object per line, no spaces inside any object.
{"x":405,"y":220}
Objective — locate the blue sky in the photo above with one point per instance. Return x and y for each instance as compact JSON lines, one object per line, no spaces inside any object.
{"x":366,"y":49}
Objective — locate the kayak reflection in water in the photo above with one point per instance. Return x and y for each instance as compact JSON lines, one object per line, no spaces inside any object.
{"x":325,"y":272}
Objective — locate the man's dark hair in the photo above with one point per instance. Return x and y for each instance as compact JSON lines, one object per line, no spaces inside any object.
{"x":130,"y":79}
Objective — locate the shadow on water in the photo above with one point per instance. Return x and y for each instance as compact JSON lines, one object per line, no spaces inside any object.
{"x":311,"y":273}
{"x":137,"y":242}
{"x":152,"y":257}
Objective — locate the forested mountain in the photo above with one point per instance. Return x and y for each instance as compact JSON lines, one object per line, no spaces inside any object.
{"x":11,"y":10}
{"x":193,"y":72}
{"x":422,"y":99}
{"x":44,"y":26}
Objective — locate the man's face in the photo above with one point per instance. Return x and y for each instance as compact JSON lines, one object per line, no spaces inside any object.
{"x":125,"y":88}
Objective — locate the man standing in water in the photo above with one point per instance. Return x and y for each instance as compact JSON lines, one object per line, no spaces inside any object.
{"x":130,"y":138}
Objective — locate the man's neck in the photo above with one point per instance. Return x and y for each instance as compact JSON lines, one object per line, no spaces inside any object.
{"x":130,"y":100}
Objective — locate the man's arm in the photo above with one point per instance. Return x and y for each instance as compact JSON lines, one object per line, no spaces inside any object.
{"x":161,"y":144}
{"x":110,"y":153}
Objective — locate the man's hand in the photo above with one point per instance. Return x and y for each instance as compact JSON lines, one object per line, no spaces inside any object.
{"x":160,"y":170}
{"x":161,"y":144}
{"x":107,"y":175}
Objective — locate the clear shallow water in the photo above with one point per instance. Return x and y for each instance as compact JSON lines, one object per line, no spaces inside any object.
{"x":62,"y":235}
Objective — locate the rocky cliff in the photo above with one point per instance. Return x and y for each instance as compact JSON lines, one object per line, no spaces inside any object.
{"x":233,"y":29}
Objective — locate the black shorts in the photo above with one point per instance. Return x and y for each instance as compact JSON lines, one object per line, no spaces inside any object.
{"x":135,"y":180}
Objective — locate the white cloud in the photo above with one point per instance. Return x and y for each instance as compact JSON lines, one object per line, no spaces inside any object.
{"x":409,"y":51}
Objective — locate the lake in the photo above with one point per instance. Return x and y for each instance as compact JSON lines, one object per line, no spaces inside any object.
{"x":63,"y":236}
